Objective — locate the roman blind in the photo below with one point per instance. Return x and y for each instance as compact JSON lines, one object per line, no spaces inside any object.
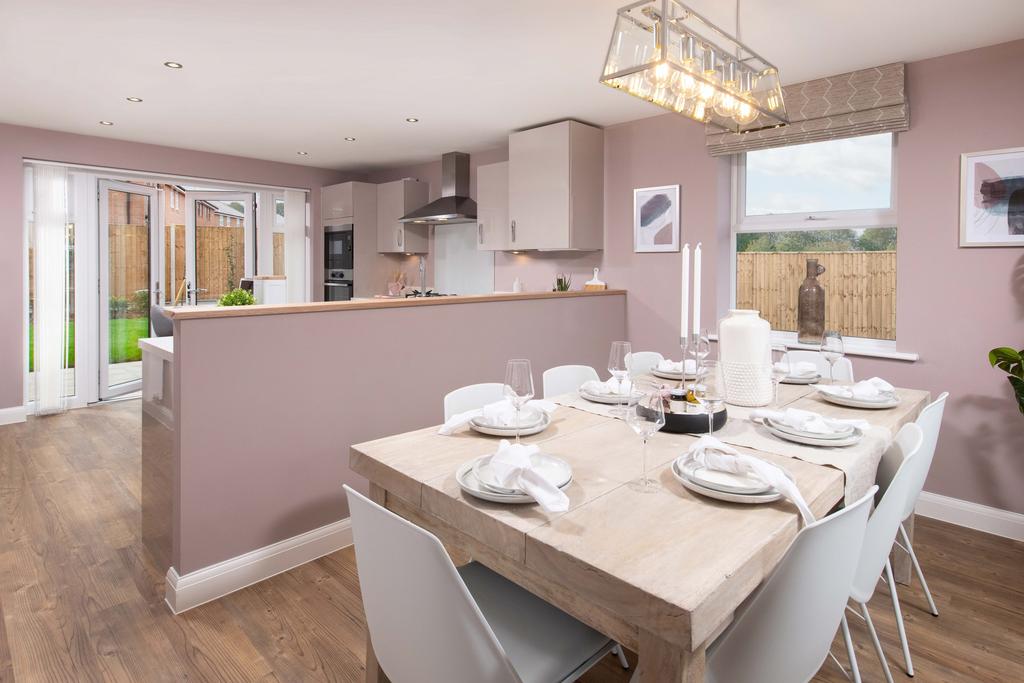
{"x":856,"y":103}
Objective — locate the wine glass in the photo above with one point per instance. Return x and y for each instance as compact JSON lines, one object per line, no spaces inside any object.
{"x":646,"y":416}
{"x":709,"y":389}
{"x":832,"y":349}
{"x":780,"y":369}
{"x":703,"y":348}
{"x":518,"y":385}
{"x":618,"y":366}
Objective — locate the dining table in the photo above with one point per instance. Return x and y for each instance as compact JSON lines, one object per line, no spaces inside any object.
{"x":661,"y":573}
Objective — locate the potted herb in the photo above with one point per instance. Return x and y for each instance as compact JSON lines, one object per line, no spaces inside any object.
{"x":562,"y":283}
{"x":1012,"y":363}
{"x":237,"y":297}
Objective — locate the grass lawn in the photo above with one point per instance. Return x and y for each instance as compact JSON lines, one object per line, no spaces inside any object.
{"x":124,"y":337}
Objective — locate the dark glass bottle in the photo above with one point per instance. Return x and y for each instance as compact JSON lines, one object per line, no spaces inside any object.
{"x":810,"y":310}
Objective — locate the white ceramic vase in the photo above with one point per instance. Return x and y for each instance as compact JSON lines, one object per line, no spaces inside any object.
{"x":744,"y":348}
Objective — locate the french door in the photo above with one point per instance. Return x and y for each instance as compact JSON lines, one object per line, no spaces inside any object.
{"x":219,"y":245}
{"x":130,"y":260}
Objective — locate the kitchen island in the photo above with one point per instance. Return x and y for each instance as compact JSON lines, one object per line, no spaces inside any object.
{"x":266,"y":400}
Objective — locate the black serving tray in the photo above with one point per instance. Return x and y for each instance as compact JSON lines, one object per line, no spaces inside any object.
{"x":689,"y":423}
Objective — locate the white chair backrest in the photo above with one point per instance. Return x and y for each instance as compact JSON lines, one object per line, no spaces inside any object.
{"x":563,"y":379}
{"x":843,"y":370}
{"x":930,"y":420}
{"x":885,"y":520}
{"x":785,"y":630}
{"x":640,"y":362}
{"x":472,"y":397}
{"x":423,"y":622}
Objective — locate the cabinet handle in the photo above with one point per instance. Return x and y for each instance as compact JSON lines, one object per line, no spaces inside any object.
{"x":513,"y":231}
{"x":480,"y":232}
{"x":399,"y":237}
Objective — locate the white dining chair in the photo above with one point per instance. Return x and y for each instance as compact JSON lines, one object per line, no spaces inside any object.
{"x":640,"y":362}
{"x":783,"y":631}
{"x":563,"y":379}
{"x":429,"y":621}
{"x":843,"y":371}
{"x":471,"y":397}
{"x":878,"y":540}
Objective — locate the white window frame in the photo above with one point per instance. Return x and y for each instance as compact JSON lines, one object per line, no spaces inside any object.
{"x":818,"y":220}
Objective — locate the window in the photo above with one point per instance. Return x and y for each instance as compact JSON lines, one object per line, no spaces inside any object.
{"x":832,"y":201}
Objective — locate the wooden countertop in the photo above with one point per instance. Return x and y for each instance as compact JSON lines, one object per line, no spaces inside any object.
{"x":191,"y":312}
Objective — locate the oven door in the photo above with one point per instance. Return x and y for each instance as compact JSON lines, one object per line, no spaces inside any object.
{"x":338,"y":247}
{"x":337,"y":291}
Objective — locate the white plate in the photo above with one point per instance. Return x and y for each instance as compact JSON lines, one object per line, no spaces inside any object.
{"x":471,"y":485}
{"x":609,"y":399}
{"x":727,"y":482}
{"x":748,"y":499}
{"x":801,"y":379}
{"x":860,"y":403}
{"x":555,"y":470}
{"x":528,"y":417}
{"x":544,"y":423}
{"x":671,"y":375}
{"x":813,"y":441}
{"x":779,"y":427}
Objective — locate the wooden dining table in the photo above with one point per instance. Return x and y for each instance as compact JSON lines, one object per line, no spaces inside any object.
{"x":661,"y":573}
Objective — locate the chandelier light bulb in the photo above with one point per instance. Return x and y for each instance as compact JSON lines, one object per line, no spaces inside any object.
{"x":744,"y":113}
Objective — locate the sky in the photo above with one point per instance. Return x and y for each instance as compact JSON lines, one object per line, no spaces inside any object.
{"x":852,"y":173}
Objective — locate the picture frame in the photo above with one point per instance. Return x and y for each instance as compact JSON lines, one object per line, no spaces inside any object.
{"x":992,"y":198}
{"x":656,"y":218}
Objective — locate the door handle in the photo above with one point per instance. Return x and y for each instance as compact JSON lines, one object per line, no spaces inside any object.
{"x":480,"y":232}
{"x":398,"y":237}
{"x":513,"y":231}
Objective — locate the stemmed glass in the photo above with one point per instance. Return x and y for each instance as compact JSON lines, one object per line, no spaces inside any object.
{"x":780,"y":370}
{"x":709,"y":389}
{"x":832,"y":349}
{"x":703,"y":348}
{"x":645,"y":417}
{"x":518,"y":385}
{"x":618,"y":366}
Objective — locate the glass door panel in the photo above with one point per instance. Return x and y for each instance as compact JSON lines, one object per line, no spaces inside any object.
{"x":219,"y":244}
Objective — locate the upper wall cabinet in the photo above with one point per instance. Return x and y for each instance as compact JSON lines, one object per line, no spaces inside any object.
{"x":492,"y":225}
{"x":394,"y":200}
{"x":556,"y":188}
{"x":336,"y":201}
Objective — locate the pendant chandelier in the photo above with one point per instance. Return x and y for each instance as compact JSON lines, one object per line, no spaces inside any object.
{"x":664,"y":52}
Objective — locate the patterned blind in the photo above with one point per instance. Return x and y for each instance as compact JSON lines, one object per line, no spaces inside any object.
{"x":855,"y":103}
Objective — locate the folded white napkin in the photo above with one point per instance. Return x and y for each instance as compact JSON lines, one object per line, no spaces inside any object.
{"x":807,"y":420}
{"x":500,"y":413}
{"x":675,"y":366}
{"x":868,"y":389}
{"x":513,"y":469}
{"x":610,"y":388}
{"x":800,"y":368}
{"x":715,"y":455}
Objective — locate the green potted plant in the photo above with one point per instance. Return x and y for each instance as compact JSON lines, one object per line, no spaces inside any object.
{"x":237,"y":297}
{"x":1012,"y":363}
{"x":562,"y":282}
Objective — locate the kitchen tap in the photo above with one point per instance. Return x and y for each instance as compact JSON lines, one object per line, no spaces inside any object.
{"x":423,"y":273}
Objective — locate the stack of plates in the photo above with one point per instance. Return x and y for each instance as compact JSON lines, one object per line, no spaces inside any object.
{"x":883,"y":400}
{"x":809,"y":378}
{"x":845,"y":436}
{"x":610,"y":399}
{"x":733,"y":488}
{"x":532,"y":421}
{"x":477,"y":478}
{"x":671,"y":375}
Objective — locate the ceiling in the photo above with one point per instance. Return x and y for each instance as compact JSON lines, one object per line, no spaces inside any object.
{"x":270,"y":79}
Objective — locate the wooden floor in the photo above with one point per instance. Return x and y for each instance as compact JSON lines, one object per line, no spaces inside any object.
{"x":80,"y":600}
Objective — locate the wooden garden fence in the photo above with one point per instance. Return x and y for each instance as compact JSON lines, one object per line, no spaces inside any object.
{"x":860,"y":289}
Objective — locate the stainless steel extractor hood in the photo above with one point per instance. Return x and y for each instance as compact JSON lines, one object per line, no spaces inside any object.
{"x":454,"y":204}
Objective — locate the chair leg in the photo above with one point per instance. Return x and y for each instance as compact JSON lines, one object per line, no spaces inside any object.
{"x":899,"y":618}
{"x":851,"y":655}
{"x":617,"y":650}
{"x":875,"y":641}
{"x":917,"y":570}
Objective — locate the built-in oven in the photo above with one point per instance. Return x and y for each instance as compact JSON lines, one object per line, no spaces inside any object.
{"x":338,"y":247}
{"x":337,"y":284}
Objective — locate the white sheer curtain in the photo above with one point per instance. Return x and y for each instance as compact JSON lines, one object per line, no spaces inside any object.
{"x":295,"y":244}
{"x":51,"y":265}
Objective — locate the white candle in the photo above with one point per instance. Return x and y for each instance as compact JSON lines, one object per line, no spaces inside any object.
{"x":684,"y":313}
{"x":696,"y":289}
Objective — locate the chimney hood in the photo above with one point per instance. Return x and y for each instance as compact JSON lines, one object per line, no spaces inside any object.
{"x":454,"y":204}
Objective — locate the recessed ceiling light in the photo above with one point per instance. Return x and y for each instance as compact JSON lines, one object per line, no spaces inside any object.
{"x":134,"y":99}
{"x":173,"y":65}
{"x":303,"y":154}
{"x":350,"y":139}
{"x":412,"y":119}
{"x":106,"y":123}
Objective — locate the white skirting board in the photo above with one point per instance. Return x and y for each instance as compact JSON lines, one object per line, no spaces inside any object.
{"x":971,"y":515}
{"x":209,"y":583}
{"x":9,"y":416}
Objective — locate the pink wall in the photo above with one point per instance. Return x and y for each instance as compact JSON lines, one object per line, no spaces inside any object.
{"x":268,"y":406}
{"x":17,"y":143}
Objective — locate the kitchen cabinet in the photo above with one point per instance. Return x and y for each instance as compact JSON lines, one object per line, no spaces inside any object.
{"x":556,"y":187}
{"x":492,"y":226}
{"x":394,"y":200}
{"x":336,"y":201}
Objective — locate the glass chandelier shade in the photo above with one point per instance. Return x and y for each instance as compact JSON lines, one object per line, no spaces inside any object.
{"x":663,"y":52}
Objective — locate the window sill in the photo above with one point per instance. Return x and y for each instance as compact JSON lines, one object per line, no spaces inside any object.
{"x":869,"y":348}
